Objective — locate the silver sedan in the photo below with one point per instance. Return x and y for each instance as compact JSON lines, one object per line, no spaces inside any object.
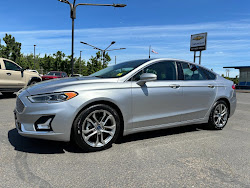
{"x":126,"y":98}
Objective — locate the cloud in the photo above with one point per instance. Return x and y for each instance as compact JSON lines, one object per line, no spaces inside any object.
{"x":227,"y":41}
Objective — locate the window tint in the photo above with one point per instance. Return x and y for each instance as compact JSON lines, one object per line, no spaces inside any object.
{"x":192,"y":75}
{"x":163,"y":70}
{"x":210,"y":75}
{"x":11,"y":66}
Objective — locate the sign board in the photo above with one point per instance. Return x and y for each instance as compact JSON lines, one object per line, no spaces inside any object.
{"x":198,"y":42}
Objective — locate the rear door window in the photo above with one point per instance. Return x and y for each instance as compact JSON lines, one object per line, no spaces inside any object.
{"x":195,"y":74}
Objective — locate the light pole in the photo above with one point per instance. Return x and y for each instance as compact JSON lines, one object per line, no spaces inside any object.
{"x":103,"y":51}
{"x":80,"y":61}
{"x":34,"y":56}
{"x":73,"y":17}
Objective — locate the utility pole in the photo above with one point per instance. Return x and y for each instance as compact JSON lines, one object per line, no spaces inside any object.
{"x":115,"y":60}
{"x":149,"y":51}
{"x":80,"y":62}
{"x":34,"y":56}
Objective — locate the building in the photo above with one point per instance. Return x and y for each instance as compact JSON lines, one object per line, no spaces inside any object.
{"x":244,"y":79}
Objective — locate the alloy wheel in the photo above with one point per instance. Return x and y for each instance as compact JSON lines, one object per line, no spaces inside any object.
{"x":220,"y":115}
{"x":98,"y":128}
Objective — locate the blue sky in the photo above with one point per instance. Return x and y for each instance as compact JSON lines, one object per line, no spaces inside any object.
{"x":166,"y":25}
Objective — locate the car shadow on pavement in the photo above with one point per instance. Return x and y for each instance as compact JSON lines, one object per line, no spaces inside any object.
{"x":7,"y":97}
{"x":162,"y":132}
{"x":38,"y":146}
{"x":31,"y":145}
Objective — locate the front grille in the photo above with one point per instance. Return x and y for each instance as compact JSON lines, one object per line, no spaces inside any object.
{"x":19,"y":105}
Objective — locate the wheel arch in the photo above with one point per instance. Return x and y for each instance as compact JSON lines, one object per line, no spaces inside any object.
{"x":106,"y":102}
{"x":34,"y":79}
{"x":226,"y":101}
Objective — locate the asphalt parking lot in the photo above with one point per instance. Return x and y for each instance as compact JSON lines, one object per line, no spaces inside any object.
{"x":189,"y":156}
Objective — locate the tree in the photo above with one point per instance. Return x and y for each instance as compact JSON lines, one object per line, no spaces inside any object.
{"x":59,"y":63}
{"x":95,"y":63}
{"x":80,"y":67}
{"x":12,"y":50}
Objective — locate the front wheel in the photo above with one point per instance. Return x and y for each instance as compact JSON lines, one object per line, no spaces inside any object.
{"x":96,"y":128}
{"x":219,"y":115}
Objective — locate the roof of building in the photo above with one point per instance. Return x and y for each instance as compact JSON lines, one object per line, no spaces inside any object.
{"x":238,"y":67}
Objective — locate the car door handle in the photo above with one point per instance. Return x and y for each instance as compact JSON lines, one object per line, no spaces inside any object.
{"x":211,"y":86}
{"x":174,"y":86}
{"x":9,"y":74}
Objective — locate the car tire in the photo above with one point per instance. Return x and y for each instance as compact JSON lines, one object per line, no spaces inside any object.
{"x":96,"y":128}
{"x":219,"y":115}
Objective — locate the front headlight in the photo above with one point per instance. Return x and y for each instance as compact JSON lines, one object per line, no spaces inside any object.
{"x":53,"y":97}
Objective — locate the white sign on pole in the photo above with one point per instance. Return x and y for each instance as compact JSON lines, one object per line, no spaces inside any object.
{"x":198,"y":42}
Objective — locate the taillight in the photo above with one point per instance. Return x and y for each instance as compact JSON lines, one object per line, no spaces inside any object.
{"x":233,"y":86}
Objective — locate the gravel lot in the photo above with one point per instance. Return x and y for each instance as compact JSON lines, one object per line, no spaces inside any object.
{"x":189,"y":156}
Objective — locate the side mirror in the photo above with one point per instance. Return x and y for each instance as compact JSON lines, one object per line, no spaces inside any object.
{"x":193,"y":67}
{"x":22,"y":70}
{"x":146,"y":77}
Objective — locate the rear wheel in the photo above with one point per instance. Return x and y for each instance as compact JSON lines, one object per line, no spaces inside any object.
{"x":219,"y":115}
{"x":96,"y":128}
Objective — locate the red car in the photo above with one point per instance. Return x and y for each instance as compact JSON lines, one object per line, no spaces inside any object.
{"x":54,"y":74}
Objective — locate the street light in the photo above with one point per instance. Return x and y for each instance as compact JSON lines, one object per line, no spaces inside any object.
{"x":73,"y":17}
{"x":103,"y":51}
{"x":34,"y":56}
{"x":80,"y":61}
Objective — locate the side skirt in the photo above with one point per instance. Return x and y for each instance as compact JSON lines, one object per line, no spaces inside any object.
{"x":164,"y":126}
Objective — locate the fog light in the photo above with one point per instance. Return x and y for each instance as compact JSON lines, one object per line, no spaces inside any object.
{"x":44,"y":123}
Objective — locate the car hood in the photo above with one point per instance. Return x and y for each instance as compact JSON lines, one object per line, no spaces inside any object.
{"x":65,"y":84}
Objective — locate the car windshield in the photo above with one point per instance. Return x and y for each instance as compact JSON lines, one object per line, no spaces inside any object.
{"x":119,"y":70}
{"x":54,"y":73}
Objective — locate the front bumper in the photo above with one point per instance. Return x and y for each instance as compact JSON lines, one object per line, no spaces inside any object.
{"x":63,"y":117}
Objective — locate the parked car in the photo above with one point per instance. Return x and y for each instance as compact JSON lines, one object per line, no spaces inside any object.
{"x":35,"y":71}
{"x":13,"y":77}
{"x":54,"y":74}
{"x":126,"y":98}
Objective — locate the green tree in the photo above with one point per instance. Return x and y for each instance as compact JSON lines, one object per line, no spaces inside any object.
{"x":12,"y":49}
{"x":59,"y":63}
{"x":95,"y":63}
{"x":80,"y":67}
